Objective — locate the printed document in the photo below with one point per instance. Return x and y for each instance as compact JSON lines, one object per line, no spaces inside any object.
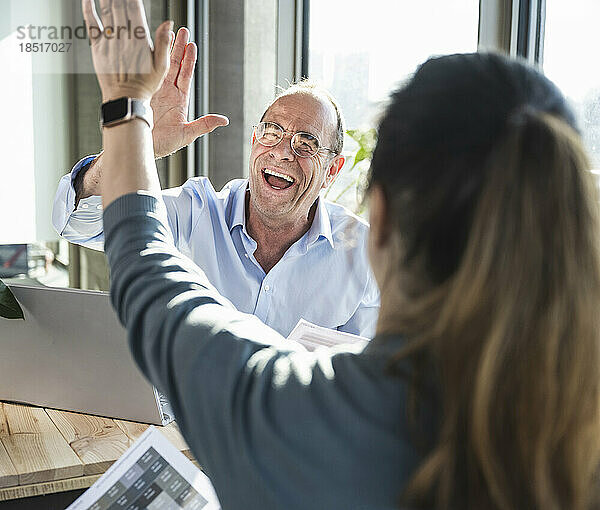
{"x":151,"y":475}
{"x":312,"y":336}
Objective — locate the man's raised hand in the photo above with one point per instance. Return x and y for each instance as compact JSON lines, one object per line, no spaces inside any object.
{"x":170,"y":103}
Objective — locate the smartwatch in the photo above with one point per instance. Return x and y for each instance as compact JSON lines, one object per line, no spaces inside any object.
{"x":124,"y":109}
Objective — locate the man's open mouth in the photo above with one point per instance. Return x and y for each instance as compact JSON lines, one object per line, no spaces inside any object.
{"x":277,"y":180}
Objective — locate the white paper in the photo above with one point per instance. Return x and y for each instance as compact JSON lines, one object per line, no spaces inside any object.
{"x":152,"y":475}
{"x":312,"y":336}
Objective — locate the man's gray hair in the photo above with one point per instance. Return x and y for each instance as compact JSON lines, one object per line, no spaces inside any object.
{"x":306,"y":86}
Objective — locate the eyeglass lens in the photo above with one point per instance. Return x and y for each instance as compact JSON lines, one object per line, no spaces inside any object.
{"x":303,"y":144}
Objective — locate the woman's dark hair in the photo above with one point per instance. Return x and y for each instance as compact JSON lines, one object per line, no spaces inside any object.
{"x":490,"y":198}
{"x":436,"y":136}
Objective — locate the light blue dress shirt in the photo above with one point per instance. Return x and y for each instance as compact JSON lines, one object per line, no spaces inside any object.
{"x":324,"y":277}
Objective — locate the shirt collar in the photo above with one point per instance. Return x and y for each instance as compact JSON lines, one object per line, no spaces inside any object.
{"x":239,"y":207}
{"x":321,"y":225}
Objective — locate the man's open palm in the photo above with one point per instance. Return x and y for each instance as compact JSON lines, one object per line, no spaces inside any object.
{"x":170,"y":103}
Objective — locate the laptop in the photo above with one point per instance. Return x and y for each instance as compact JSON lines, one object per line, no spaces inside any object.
{"x":71,"y":353}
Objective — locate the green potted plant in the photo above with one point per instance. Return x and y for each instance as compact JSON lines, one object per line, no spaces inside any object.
{"x":360,"y":159}
{"x":9,"y":307}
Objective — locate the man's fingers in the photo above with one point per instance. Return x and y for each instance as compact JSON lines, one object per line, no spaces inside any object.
{"x":184,"y":79}
{"x":181,"y":40}
{"x":202,"y":126}
{"x":161,"y":51}
{"x":92,"y":21}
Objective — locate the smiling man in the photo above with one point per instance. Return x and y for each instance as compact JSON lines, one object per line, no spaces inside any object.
{"x":287,"y":176}
{"x":269,"y":243}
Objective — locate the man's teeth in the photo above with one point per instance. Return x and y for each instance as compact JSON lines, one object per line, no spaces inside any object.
{"x":277,"y":174}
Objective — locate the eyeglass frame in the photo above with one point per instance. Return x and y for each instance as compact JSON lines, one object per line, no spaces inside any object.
{"x":293,"y":134}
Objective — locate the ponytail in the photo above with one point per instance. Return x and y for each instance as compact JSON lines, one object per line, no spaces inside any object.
{"x":514,"y":333}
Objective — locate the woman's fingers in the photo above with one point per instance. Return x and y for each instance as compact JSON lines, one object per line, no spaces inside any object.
{"x":92,"y":20}
{"x":137,"y":15}
{"x":106,"y":16}
{"x":124,"y":59}
{"x":119,"y":17}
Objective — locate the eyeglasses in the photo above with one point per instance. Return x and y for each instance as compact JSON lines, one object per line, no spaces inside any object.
{"x":303,"y":144}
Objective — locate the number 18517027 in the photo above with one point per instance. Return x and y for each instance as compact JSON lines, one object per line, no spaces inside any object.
{"x":41,"y":47}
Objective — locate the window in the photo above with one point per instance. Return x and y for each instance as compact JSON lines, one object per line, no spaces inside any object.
{"x":50,"y":102}
{"x":361,"y":51}
{"x":570,"y":61}
{"x":35,"y":139}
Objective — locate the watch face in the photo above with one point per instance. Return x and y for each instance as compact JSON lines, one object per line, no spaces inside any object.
{"x":115,"y":110}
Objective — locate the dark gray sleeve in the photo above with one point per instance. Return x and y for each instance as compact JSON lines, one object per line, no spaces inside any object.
{"x":269,"y":423}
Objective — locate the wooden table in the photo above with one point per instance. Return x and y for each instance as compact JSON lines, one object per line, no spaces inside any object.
{"x":46,"y":451}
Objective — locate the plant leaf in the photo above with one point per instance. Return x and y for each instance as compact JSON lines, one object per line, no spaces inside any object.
{"x":354,"y":134}
{"x":9,"y":307}
{"x":365,"y":138}
{"x":368,"y":139}
{"x":360,"y":155}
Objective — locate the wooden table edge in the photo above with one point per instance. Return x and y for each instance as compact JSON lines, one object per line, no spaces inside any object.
{"x":43,"y":488}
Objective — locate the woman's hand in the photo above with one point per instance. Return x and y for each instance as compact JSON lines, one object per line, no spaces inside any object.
{"x":124,"y":58}
{"x":126,"y":65}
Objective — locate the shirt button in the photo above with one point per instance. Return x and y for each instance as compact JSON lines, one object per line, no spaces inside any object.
{"x":267,"y":288}
{"x":99,"y":206}
{"x":246,"y":255}
{"x":84,"y":206}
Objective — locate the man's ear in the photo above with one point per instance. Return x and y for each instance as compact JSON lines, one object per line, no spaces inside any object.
{"x":334,"y":169}
{"x":379,"y":216}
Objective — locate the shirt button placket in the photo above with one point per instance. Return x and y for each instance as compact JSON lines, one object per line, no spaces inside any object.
{"x":263,"y":304}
